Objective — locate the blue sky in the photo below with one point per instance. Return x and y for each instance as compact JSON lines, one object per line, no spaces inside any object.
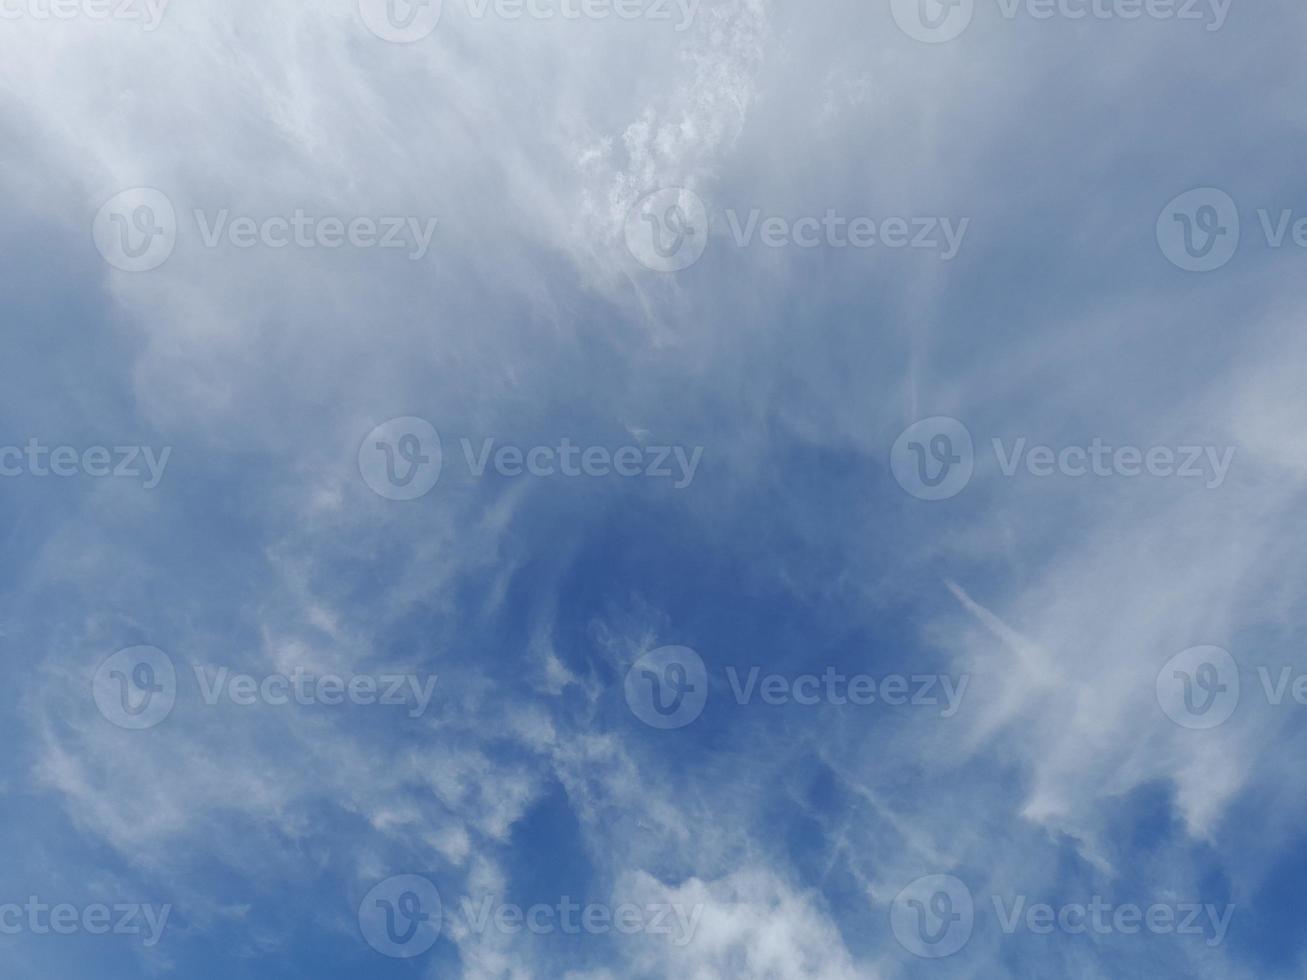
{"x":904,"y":724}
